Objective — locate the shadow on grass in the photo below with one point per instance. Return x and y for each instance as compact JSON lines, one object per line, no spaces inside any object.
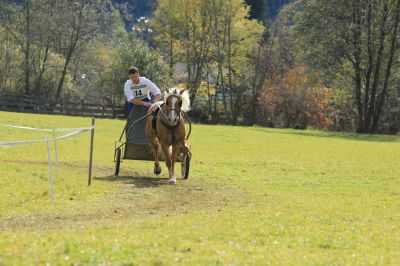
{"x":336,"y":135}
{"x":137,"y":181}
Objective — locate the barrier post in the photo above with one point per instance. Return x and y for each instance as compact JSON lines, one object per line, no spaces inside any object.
{"x":55,"y":148}
{"x":91,"y":153}
{"x":50,"y":171}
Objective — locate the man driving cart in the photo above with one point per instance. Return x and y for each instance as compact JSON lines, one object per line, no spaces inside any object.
{"x":137,"y":90}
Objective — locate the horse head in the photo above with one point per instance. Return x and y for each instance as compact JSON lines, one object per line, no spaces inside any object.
{"x":176,"y":101}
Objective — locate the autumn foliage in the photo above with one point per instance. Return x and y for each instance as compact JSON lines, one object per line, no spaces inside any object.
{"x":295,"y":101}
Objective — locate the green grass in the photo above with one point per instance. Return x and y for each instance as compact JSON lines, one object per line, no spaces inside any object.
{"x":255,"y":196}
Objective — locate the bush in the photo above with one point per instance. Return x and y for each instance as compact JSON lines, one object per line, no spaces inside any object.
{"x":296,"y":102}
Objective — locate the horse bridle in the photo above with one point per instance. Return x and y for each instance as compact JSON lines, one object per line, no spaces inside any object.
{"x":166,"y":122}
{"x":165,"y":118}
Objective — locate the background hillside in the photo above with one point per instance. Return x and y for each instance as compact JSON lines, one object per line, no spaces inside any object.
{"x":131,"y":10}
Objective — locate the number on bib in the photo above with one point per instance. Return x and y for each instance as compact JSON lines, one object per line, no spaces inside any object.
{"x":138,"y":93}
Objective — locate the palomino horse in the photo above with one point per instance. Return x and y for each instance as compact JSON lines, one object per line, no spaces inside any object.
{"x":169,"y":129}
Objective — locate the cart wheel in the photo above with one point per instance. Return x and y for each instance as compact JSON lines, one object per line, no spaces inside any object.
{"x":117,"y":161}
{"x":185,"y":167}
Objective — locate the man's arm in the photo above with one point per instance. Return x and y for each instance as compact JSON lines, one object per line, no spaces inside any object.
{"x":154,"y":90}
{"x":139,"y":102}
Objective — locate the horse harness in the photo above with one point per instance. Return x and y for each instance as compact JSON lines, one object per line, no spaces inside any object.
{"x":163,"y":118}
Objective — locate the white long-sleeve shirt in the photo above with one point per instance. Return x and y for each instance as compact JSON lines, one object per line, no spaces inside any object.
{"x":141,"y":90}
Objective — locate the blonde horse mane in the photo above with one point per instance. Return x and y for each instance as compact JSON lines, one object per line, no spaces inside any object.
{"x":184,"y":96}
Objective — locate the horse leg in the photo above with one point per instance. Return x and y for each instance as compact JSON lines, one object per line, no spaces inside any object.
{"x":173,"y":157}
{"x":167,"y":155}
{"x":156,"y":145}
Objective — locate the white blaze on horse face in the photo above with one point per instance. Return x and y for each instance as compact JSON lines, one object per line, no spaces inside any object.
{"x":172,"y":115}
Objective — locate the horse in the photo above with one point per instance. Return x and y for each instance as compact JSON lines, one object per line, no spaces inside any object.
{"x":168,"y":129}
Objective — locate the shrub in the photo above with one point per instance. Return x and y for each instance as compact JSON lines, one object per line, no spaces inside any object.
{"x":296,"y":102}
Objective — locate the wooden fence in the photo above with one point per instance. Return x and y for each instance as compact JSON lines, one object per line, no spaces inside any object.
{"x":80,"y":107}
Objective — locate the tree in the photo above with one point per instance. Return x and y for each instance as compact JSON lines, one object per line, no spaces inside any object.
{"x":115,"y":73}
{"x":11,"y":75}
{"x":363,"y":36}
{"x":17,"y":20}
{"x":213,"y":38}
{"x":59,"y":27}
{"x":76,"y":26}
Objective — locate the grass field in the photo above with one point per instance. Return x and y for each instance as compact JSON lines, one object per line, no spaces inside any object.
{"x":255,"y":196}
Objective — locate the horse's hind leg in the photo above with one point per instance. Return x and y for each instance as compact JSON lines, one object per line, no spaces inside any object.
{"x":156,"y":145}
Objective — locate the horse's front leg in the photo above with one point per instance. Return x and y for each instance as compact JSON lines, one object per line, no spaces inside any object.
{"x":168,"y":162}
{"x":173,"y":157}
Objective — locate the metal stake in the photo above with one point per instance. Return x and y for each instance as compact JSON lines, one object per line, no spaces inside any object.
{"x":55,"y":149}
{"x":50,"y":170}
{"x":91,"y":153}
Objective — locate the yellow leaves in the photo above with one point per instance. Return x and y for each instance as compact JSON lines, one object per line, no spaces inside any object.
{"x":195,"y":20}
{"x":180,"y":85}
{"x":104,"y":56}
{"x":205,"y":90}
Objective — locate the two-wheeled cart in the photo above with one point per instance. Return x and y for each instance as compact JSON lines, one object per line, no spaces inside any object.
{"x":136,"y":145}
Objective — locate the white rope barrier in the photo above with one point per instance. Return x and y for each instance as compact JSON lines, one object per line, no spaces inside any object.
{"x":47,"y":129}
{"x":28,"y":128}
{"x":72,"y":132}
{"x":75,"y":131}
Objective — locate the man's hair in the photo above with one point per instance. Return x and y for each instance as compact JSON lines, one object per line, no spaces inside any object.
{"x":133,"y":70}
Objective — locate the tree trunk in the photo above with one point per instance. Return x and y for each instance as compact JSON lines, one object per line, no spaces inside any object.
{"x":27,"y":47}
{"x":171,"y":53}
{"x":370,"y":59}
{"x":357,"y":65}
{"x":378,"y":64}
{"x":382,"y":96}
{"x":70,"y":52}
{"x":41,"y":72}
{"x":234,"y":112}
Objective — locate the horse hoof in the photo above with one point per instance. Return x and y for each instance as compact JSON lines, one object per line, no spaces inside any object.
{"x":157,"y":170}
{"x":172,"y":181}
